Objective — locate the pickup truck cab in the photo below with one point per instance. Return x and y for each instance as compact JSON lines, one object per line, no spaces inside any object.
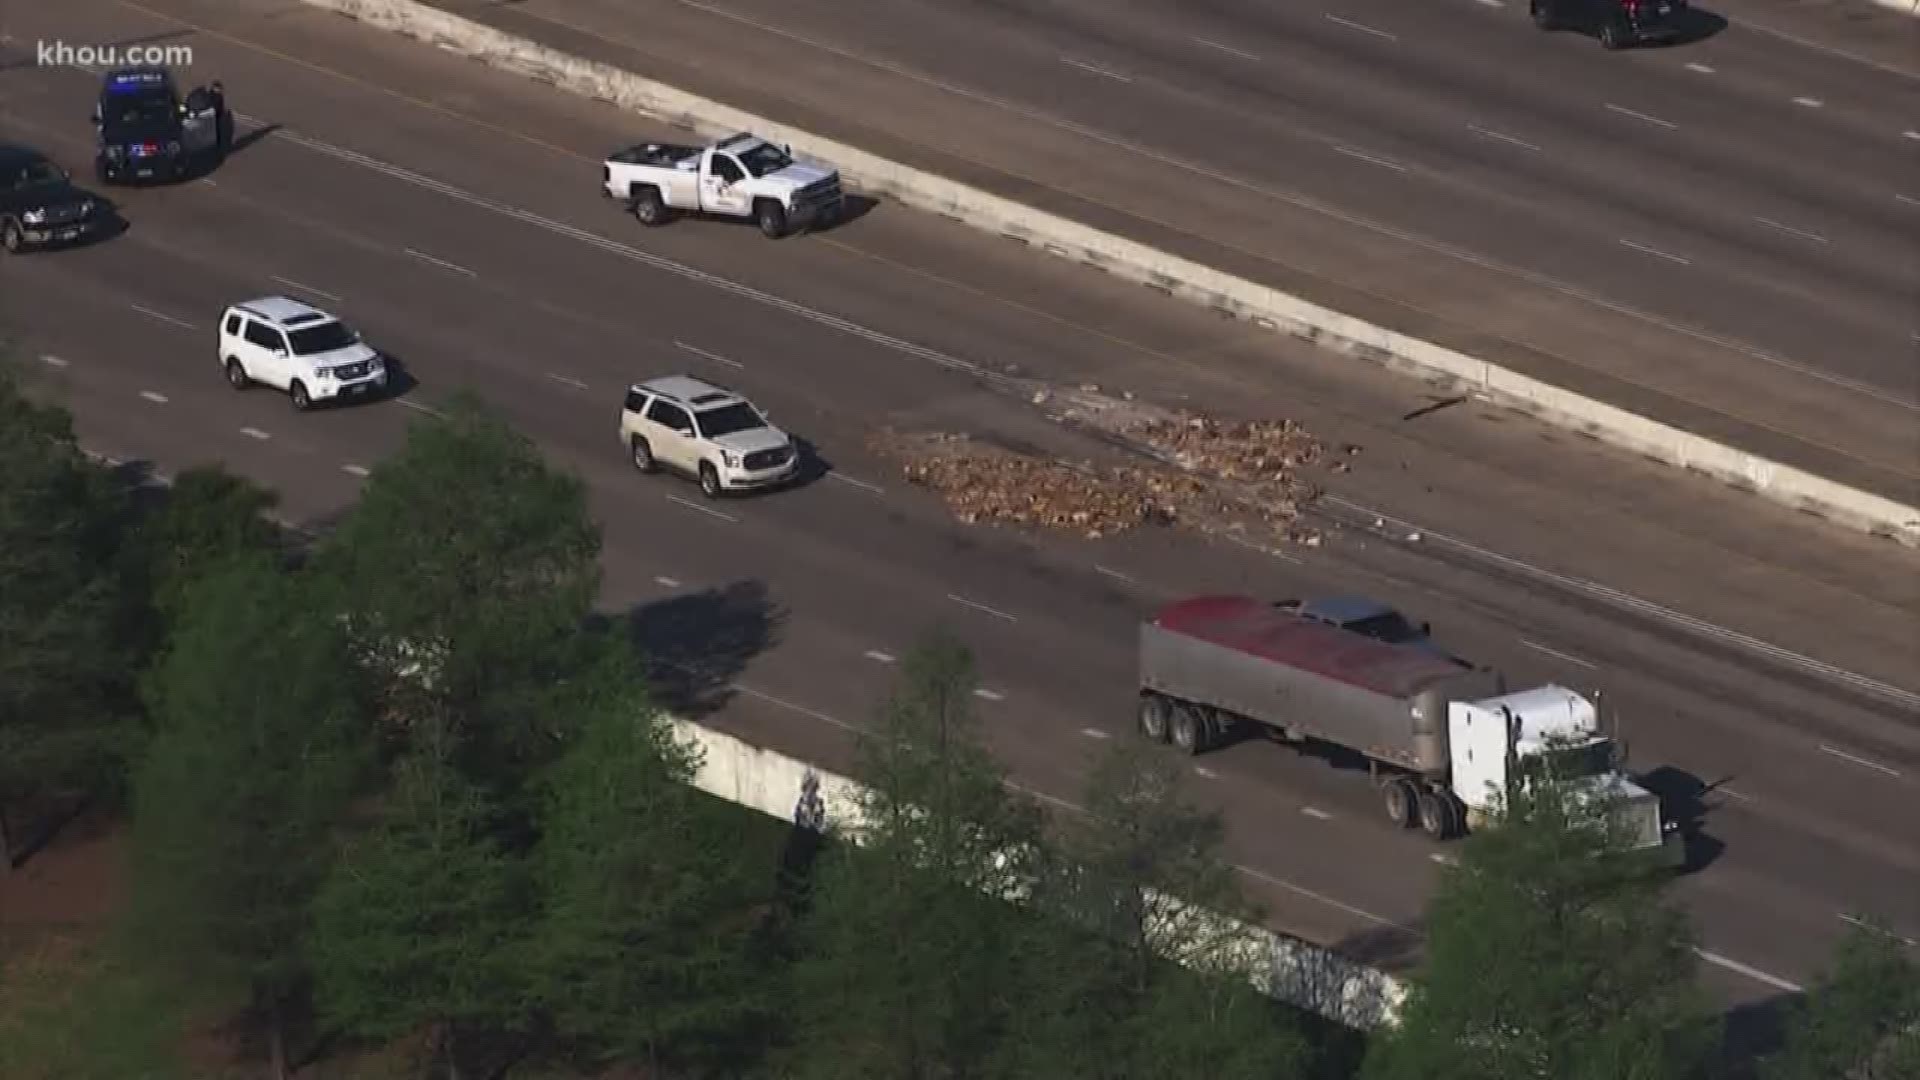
{"x":741,"y":176}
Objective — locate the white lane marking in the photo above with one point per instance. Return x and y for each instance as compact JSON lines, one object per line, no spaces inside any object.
{"x":1385,"y":163}
{"x":355,"y":470}
{"x":52,"y":361}
{"x":1655,"y":252}
{"x":1493,"y":3}
{"x":995,"y":612}
{"x":1228,"y":49}
{"x":1790,"y":230}
{"x":1732,"y":794}
{"x":1205,"y":773}
{"x":1811,"y":103}
{"x":1617,"y":598}
{"x":1056,"y":800}
{"x":1251,"y":546}
{"x":691,"y":505}
{"x":845,"y":479}
{"x":1095,"y":68}
{"x":1858,"y":760}
{"x":162,"y":316}
{"x":425,"y":410}
{"x":1362,"y":27}
{"x":575,"y":383}
{"x":1443,"y":860}
{"x":255,"y":433}
{"x":1624,"y":111}
{"x":667,"y":582}
{"x":1500,"y":135}
{"x":1094,"y":733}
{"x":441,"y":263}
{"x":715,"y":357}
{"x":1907,"y":199}
{"x":989,"y":695}
{"x":1114,"y":574}
{"x":1881,"y":930}
{"x":1910,"y":134}
{"x":876,"y":654}
{"x":157,"y":399}
{"x":743,"y":688}
{"x":1316,"y":812}
{"x":1694,"y":65}
{"x":301,"y":287}
{"x":1321,"y":897}
{"x":1774,"y":981}
{"x":1557,"y":654}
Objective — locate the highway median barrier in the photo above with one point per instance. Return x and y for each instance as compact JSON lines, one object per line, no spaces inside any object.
{"x":1297,"y":972}
{"x":1230,"y":295}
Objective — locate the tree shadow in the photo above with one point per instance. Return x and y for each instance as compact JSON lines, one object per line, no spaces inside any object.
{"x":1754,"y":1031}
{"x":1685,"y":799}
{"x":697,"y":644}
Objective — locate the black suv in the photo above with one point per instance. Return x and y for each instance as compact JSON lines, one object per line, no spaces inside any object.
{"x":146,"y":132}
{"x":1617,"y":23}
{"x":39,"y":204}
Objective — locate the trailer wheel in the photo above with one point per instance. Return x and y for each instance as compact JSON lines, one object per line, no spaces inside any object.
{"x":1189,"y":730}
{"x":1403,"y":801}
{"x":648,"y":207}
{"x":1437,"y":817}
{"x":1155,"y":714}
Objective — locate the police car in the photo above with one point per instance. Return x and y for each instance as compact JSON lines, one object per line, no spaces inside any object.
{"x":146,"y":132}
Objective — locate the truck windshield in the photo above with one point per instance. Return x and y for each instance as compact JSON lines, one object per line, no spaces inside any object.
{"x":1572,"y":763}
{"x":765,"y":158}
{"x":729,"y":419}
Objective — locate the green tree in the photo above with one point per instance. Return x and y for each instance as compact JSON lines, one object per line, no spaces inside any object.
{"x":642,"y":952}
{"x":1862,"y":1021}
{"x":1553,"y":954}
{"x":417,"y":924}
{"x":261,"y":742}
{"x":211,"y":519}
{"x":68,"y":613}
{"x":909,"y":939}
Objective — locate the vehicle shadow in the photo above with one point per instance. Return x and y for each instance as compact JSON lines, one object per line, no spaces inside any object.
{"x":813,"y":466}
{"x":852,"y":208}
{"x":244,"y":139}
{"x":1697,"y":25}
{"x":1684,"y":797}
{"x":400,"y":380}
{"x":695,"y":645}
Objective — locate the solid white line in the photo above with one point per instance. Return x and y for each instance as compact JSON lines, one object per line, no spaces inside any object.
{"x":163,"y":317}
{"x":1115,"y":574}
{"x":1443,"y":860}
{"x":157,"y":399}
{"x":691,"y":505}
{"x":1327,"y":900}
{"x":1907,"y":199}
{"x":989,"y":695}
{"x":1881,"y":930}
{"x":1316,"y":812}
{"x":1046,"y":798}
{"x":442,"y":263}
{"x":1251,"y":546}
{"x":1364,"y":156}
{"x":742,"y":688}
{"x":1502,"y":136}
{"x":1095,"y":68}
{"x":1699,"y":67}
{"x":53,"y":361}
{"x":1094,"y":733}
{"x":1732,"y":794}
{"x":299,"y":287}
{"x":1656,"y":252}
{"x":1228,"y":49}
{"x":255,"y":433}
{"x":355,"y":470}
{"x":715,"y":357}
{"x":1863,"y":762}
{"x":1624,"y":111}
{"x":997,"y":613}
{"x":575,"y":383}
{"x":1774,"y":981}
{"x":1568,"y":657}
{"x":1362,"y":27}
{"x":845,"y":479}
{"x":1910,"y":134}
{"x":876,"y":654}
{"x":427,"y":410}
{"x":1811,"y":103}
{"x":1493,"y":3}
{"x":1802,"y":233}
{"x":1205,"y":773}
{"x":670,"y":583}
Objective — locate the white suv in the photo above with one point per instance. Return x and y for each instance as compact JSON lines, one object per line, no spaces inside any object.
{"x":298,"y":348}
{"x":706,"y":432}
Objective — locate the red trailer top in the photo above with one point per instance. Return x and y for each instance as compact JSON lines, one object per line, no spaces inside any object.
{"x":1259,"y":628}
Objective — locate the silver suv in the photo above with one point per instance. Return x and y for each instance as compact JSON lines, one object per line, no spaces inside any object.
{"x":705,"y":432}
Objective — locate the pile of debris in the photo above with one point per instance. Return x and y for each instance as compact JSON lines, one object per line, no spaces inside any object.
{"x":1241,"y":451}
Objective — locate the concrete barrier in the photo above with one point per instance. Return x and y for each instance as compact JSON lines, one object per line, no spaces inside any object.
{"x":1911,"y":7}
{"x":1297,"y":972}
{"x":1265,"y":306}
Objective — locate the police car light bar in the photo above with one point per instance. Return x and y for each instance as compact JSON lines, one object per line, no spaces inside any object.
{"x":136,"y":80}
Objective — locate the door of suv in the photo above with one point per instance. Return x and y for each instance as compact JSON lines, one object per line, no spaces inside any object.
{"x":265,"y":355}
{"x":673,"y":436}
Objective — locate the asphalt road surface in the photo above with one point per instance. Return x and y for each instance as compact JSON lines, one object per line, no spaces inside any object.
{"x":450,"y":212}
{"x":1721,"y":233}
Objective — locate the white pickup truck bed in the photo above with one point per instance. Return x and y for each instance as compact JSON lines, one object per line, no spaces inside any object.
{"x":659,"y":156}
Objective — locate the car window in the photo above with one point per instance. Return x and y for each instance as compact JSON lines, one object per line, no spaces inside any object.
{"x":669,"y":416}
{"x":636,"y":401}
{"x":264,"y":336}
{"x":325,"y":337}
{"x":30,"y":173}
{"x":233,"y":324}
{"x":764,"y":159}
{"x":727,"y":169}
{"x":148,"y":108}
{"x":729,"y":419}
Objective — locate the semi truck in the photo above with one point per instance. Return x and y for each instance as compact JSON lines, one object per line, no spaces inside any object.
{"x":741,"y":176}
{"x":1442,"y":738}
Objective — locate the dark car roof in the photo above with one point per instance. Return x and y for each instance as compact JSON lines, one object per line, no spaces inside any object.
{"x":15,"y":154}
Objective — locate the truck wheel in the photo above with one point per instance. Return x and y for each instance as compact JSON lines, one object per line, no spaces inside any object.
{"x":1610,"y":36}
{"x":10,"y":237}
{"x":302,"y":401}
{"x":1403,"y":802}
{"x":1189,"y":730}
{"x":772,"y":218}
{"x":1436,"y":815}
{"x":642,"y":455}
{"x":1155,"y":717}
{"x":649,"y":208}
{"x":710,"y":481}
{"x":237,"y":375}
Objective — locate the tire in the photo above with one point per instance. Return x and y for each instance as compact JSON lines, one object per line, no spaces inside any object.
{"x":1156,"y":715}
{"x":1403,"y":802}
{"x":643,"y":462}
{"x":1188,"y":731}
{"x":1436,"y":814}
{"x":649,"y":208}
{"x":10,"y":237}
{"x":297,"y":393}
{"x":772,"y":219}
{"x":1610,"y":38}
{"x":710,"y":481}
{"x":237,"y":375}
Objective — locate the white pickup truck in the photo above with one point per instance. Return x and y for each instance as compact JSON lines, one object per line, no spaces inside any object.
{"x":740,"y":176}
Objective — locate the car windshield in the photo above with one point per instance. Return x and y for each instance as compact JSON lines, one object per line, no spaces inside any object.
{"x":729,"y":420}
{"x":765,"y":158}
{"x":130,"y":109}
{"x":1387,"y":626}
{"x":325,"y":337}
{"x":1571,"y":763}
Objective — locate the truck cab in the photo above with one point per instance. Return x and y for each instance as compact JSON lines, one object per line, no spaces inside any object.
{"x":742,"y":176}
